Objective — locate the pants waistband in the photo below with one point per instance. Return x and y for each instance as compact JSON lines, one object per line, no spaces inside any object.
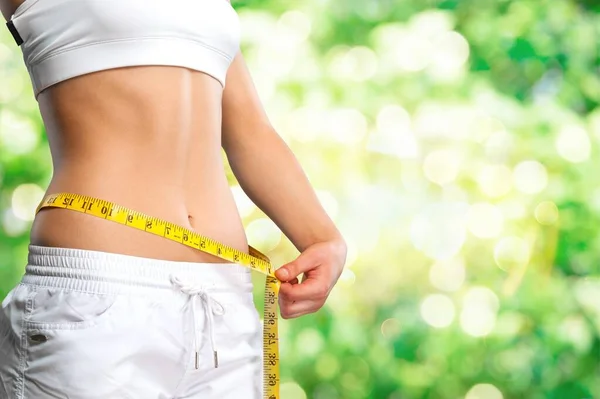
{"x":106,"y":272}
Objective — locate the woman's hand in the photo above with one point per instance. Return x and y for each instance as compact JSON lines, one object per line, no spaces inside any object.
{"x":322,"y":264}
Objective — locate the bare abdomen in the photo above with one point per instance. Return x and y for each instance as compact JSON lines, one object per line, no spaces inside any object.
{"x":147,"y":139}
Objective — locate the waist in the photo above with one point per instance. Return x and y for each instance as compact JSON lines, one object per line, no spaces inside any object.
{"x":210,"y":211}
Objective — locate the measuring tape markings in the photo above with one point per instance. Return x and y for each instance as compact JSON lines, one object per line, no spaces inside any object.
{"x":256,"y":260}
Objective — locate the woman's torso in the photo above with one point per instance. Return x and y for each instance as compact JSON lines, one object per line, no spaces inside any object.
{"x":147,"y":138}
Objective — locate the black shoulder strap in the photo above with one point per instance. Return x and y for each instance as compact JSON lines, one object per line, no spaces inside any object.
{"x":14,"y":32}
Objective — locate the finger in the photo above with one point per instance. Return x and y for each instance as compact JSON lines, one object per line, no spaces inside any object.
{"x":315,"y":288}
{"x":287,"y":284}
{"x":291,"y":310}
{"x":305,"y":262}
{"x":284,"y":289}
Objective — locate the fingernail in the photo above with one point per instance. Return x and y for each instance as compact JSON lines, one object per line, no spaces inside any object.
{"x":283,"y":273}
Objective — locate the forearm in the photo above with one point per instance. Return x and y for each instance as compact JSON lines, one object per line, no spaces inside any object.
{"x":273,"y":179}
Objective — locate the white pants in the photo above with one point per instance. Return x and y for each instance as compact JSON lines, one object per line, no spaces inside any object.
{"x":95,"y":325}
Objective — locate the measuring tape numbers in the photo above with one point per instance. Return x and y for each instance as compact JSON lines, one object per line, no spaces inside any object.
{"x":254,"y":260}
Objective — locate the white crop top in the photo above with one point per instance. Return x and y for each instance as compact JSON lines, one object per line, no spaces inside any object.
{"x":61,"y":39}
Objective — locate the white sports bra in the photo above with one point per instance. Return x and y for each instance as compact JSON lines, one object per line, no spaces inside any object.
{"x":61,"y":39}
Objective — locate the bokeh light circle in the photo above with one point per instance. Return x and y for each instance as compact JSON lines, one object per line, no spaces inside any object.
{"x":25,"y":199}
{"x":346,"y":125}
{"x":309,"y":342}
{"x":12,"y":225}
{"x":393,"y":117}
{"x":17,"y":134}
{"x":327,"y":366}
{"x":495,"y":180}
{"x":390,"y":328}
{"x":481,"y":296}
{"x":438,"y":310}
{"x":296,"y":26}
{"x":573,"y":144}
{"x":484,"y":391}
{"x":511,"y":252}
{"x":447,"y":275}
{"x":439,"y":230}
{"x":485,"y":220}
{"x":546,"y":213}
{"x":478,"y":315}
{"x":264,"y":232}
{"x":530,"y":177}
{"x":452,"y":50}
{"x":441,"y":166}
{"x":477,"y":321}
{"x":291,"y":390}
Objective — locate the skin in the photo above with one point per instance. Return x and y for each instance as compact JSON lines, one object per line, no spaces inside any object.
{"x":163,"y":155}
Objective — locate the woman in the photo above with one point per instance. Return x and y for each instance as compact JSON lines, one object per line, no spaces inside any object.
{"x":138,"y":98}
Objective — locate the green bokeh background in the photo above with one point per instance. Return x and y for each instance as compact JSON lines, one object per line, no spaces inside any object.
{"x":455,"y":143}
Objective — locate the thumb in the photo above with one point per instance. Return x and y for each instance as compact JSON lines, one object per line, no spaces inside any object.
{"x":293,"y":269}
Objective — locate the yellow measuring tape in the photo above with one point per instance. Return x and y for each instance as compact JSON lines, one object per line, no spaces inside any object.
{"x":255,"y":260}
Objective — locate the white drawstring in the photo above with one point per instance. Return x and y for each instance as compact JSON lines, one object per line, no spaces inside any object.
{"x":211,"y":306}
